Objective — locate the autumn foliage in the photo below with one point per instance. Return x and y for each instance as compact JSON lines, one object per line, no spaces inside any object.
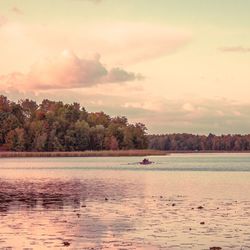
{"x":55,"y":126}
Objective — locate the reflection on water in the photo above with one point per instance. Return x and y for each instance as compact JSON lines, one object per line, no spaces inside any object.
{"x":57,"y":213}
{"x":57,"y":194}
{"x":20,"y":195}
{"x":84,"y":209}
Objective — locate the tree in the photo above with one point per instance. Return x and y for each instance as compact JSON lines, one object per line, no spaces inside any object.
{"x":55,"y":126}
{"x":16,"y":140}
{"x":28,"y":108}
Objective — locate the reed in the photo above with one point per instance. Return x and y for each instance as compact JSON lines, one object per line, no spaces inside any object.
{"x":107,"y":153}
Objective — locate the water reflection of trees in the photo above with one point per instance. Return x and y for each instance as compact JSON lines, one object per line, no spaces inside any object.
{"x":58,"y":194}
{"x":57,"y":205}
{"x":53,"y":195}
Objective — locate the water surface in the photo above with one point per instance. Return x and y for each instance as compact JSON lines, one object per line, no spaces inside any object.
{"x":184,"y":201}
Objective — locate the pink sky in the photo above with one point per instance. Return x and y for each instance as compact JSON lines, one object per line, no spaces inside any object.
{"x":174,"y":69}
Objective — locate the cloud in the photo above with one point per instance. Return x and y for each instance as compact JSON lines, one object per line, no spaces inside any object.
{"x":137,"y":42}
{"x":16,"y":10}
{"x":122,"y":44}
{"x":65,"y":71}
{"x":120,"y":75}
{"x":198,"y":116}
{"x":236,"y":49}
{"x":203,"y":116}
{"x":132,"y":42}
{"x":188,"y":107}
{"x":219,"y":116}
{"x":3,"y":20}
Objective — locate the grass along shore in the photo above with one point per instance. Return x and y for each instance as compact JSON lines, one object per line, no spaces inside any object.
{"x":107,"y":153}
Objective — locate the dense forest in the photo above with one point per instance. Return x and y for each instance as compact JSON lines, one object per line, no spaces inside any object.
{"x":55,"y":126}
{"x":189,"y":142}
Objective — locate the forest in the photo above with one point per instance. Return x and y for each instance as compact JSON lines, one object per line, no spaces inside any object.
{"x":55,"y":126}
{"x":190,"y":142}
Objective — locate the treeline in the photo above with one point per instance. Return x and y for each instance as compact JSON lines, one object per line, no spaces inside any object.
{"x":190,"y":142}
{"x":55,"y":126}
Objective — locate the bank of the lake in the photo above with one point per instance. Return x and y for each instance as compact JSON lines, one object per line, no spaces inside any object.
{"x":107,"y":153}
{"x":113,"y":153}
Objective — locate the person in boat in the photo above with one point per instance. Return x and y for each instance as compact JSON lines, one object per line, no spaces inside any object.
{"x":145,"y":161}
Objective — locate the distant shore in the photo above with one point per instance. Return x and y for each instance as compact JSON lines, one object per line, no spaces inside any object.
{"x":108,"y":153}
{"x":205,"y":151}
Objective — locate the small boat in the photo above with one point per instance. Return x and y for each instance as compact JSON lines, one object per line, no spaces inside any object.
{"x":146,"y":161}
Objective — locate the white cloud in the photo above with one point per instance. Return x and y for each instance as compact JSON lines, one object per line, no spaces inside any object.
{"x":65,"y":71}
{"x":136,"y":42}
{"x":121,"y":42}
{"x":188,"y":107}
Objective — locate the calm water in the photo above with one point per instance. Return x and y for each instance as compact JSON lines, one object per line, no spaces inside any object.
{"x":115,"y":203}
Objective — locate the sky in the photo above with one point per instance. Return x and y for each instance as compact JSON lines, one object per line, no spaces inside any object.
{"x":175,"y":65}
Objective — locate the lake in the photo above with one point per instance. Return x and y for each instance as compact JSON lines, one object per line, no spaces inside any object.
{"x":182,"y":201}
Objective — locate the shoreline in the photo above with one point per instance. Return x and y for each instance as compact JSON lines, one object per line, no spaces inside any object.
{"x":206,"y":152}
{"x":110,"y":153}
{"x":116,"y":153}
